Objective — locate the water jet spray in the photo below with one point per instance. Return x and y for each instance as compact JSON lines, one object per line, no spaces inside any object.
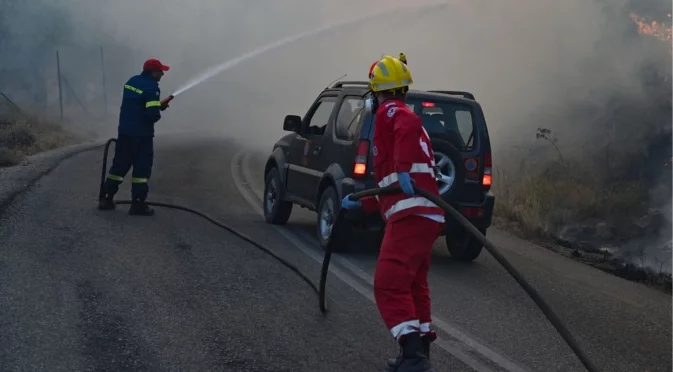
{"x":216,"y":70}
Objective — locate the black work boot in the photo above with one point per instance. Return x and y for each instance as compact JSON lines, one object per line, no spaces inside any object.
{"x":107,"y":203}
{"x":139,"y":208}
{"x":411,"y":357}
{"x":426,"y":339}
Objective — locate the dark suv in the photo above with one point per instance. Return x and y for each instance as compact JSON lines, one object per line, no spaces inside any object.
{"x":327,"y":156}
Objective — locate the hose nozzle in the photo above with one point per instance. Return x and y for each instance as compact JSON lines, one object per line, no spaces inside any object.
{"x":165,"y":101}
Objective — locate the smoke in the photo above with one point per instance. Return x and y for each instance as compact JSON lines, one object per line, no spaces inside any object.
{"x":518,"y":57}
{"x":531,"y":63}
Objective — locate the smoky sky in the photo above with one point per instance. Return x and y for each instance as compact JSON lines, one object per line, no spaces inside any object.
{"x":523,"y":59}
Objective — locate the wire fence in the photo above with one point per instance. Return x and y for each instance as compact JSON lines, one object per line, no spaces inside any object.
{"x":72,"y":86}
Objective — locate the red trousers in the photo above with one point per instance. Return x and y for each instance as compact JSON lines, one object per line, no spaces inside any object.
{"x":401,"y":280}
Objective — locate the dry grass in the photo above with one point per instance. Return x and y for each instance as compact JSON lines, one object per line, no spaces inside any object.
{"x":538,"y":202}
{"x":541,"y":190}
{"x":545,"y":198}
{"x":28,"y":136}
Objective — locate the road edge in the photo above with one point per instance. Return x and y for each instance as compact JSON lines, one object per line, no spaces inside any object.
{"x":593,"y":258}
{"x":18,"y":179}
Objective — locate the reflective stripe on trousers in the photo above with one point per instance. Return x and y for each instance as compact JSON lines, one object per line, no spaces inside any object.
{"x":406,"y":328}
{"x":114,"y":177}
{"x":133,"y":180}
{"x":415,"y":168}
{"x":416,"y":201}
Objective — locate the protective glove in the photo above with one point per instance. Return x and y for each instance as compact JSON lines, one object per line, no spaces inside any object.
{"x":165,"y":101}
{"x":347,"y":203}
{"x":406,"y":183}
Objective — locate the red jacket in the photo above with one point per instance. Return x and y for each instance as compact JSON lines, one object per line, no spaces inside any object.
{"x":401,"y":144}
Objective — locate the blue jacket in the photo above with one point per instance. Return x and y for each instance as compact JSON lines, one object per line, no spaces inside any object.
{"x":141,"y":106}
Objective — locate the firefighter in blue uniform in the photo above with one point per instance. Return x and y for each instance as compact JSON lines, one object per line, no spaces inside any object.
{"x":141,"y":107}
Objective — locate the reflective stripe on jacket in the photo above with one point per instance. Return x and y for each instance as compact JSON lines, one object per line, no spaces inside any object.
{"x":401,"y":144}
{"x":140,"y":107}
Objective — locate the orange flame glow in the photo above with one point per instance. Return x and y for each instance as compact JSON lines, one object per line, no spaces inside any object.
{"x":652,"y":28}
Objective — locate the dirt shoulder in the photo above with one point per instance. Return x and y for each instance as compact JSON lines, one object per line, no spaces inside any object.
{"x":586,"y":252}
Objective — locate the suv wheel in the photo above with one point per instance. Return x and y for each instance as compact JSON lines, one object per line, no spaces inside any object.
{"x":276,"y":210}
{"x":463,"y":246}
{"x":328,"y":211}
{"x":449,"y":167}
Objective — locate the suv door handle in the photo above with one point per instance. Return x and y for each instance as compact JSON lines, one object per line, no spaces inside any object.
{"x":317,"y":149}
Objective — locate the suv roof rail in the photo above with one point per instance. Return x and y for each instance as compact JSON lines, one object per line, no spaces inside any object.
{"x":340,"y":84}
{"x":467,"y":95}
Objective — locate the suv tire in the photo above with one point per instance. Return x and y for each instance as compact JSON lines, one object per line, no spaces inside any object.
{"x":328,"y":210}
{"x":455,"y":167}
{"x":276,"y":210}
{"x":463,"y":246}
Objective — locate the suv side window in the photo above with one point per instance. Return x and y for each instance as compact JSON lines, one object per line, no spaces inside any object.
{"x":465,"y":126}
{"x":320,"y":117}
{"x":348,"y":118}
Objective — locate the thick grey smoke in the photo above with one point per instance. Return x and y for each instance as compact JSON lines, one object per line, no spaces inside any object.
{"x":531,"y":63}
{"x":518,"y":56}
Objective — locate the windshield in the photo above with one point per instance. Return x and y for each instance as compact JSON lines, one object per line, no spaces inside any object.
{"x":452,"y":121}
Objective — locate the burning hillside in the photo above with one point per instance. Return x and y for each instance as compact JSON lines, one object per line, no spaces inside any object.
{"x":597,"y":185}
{"x":652,"y":28}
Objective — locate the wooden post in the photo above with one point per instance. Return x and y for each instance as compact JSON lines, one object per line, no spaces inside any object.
{"x":60,"y":89}
{"x":102,"y":64}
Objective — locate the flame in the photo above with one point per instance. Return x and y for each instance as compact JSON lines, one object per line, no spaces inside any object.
{"x":652,"y":28}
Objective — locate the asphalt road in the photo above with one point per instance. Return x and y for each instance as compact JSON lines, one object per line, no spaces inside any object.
{"x":84,"y":290}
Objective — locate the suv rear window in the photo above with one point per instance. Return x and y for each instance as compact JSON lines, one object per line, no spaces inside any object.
{"x":452,"y":121}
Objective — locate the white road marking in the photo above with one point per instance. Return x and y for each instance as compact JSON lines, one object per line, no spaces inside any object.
{"x":458,"y":350}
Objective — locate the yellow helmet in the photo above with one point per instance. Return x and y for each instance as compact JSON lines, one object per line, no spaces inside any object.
{"x":389,"y":73}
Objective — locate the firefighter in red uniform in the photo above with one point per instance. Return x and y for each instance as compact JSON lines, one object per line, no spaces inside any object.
{"x":402,"y":156}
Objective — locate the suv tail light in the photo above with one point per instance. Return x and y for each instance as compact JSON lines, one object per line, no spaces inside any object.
{"x":360,"y":165}
{"x":487,"y":180}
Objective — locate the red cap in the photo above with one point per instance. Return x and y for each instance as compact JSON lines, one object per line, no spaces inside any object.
{"x":154,"y":65}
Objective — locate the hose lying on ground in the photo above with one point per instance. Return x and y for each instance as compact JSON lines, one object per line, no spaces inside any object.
{"x":321,"y":291}
{"x":232,"y":230}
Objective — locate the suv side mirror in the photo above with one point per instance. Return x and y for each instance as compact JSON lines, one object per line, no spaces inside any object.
{"x":292,"y":123}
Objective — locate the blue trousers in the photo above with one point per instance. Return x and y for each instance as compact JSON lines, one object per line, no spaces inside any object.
{"x":136,"y":152}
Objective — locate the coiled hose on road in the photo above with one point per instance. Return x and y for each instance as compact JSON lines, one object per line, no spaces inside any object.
{"x":321,"y":291}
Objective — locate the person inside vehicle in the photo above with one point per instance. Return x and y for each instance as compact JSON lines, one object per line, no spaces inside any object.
{"x":316,"y":130}
{"x":402,"y":157}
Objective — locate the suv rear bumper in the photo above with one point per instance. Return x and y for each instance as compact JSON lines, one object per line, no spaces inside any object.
{"x":481,"y":215}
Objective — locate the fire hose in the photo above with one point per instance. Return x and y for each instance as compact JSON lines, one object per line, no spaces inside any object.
{"x":101,"y":195}
{"x":495,"y":252}
{"x":321,"y":289}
